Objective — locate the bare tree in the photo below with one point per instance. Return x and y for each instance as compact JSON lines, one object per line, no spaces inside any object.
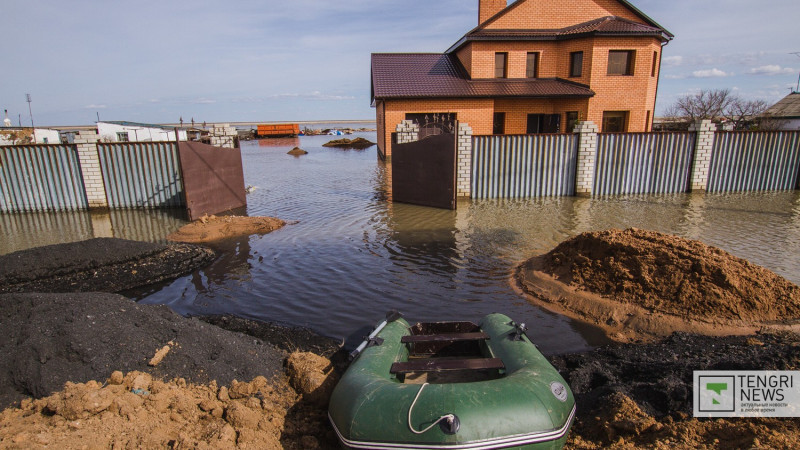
{"x":722,"y":106}
{"x":706,"y":104}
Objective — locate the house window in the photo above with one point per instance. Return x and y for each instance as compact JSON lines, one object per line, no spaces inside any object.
{"x":576,"y":64}
{"x":615,"y":121}
{"x":620,"y":62}
{"x":572,"y":120}
{"x":122,"y":136}
{"x":543,"y":123}
{"x":655,"y":64}
{"x":499,"y":126}
{"x":532,"y":65}
{"x":500,"y":65}
{"x":647,"y":122}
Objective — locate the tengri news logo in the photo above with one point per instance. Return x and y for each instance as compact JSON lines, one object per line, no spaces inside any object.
{"x":717,"y":393}
{"x":746,"y":393}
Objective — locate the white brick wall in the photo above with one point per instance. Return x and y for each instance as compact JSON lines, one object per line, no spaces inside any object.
{"x":587,"y":152}
{"x":464,"y":160}
{"x":702,"y":153}
{"x":86,"y":142}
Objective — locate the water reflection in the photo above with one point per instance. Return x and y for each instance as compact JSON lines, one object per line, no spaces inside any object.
{"x":20,"y":231}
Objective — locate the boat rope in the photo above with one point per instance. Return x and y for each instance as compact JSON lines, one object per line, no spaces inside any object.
{"x":448,"y":417}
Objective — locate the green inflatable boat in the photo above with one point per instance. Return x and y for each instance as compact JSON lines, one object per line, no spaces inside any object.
{"x":451,"y":385}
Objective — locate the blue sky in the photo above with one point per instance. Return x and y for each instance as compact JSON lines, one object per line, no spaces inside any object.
{"x":295,"y":60}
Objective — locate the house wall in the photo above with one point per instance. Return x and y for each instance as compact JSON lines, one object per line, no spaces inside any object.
{"x":546,"y":14}
{"x":108,"y":132}
{"x":517,"y":111}
{"x":477,"y":113}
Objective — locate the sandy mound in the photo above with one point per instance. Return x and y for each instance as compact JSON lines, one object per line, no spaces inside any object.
{"x":645,"y":282}
{"x":101,"y":264}
{"x":135,"y":411}
{"x":213,"y":228}
{"x":297,"y":151}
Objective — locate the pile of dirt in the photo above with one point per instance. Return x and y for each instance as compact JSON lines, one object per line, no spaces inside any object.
{"x":214,"y":228}
{"x":297,"y":151}
{"x":49,"y":339}
{"x":137,"y":411}
{"x":637,"y":283}
{"x":640,"y":395}
{"x":100,"y":264}
{"x":358,"y":142}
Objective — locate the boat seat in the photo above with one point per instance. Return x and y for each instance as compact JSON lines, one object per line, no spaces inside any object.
{"x":438,"y":365}
{"x":447,"y":337}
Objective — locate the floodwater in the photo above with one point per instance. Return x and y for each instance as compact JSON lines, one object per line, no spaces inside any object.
{"x":349,"y":254}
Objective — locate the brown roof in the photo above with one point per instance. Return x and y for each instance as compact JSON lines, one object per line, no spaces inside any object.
{"x":436,"y":75}
{"x":788,"y":107}
{"x":604,"y":26}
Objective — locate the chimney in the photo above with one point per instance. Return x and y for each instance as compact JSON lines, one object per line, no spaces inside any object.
{"x":488,"y":8}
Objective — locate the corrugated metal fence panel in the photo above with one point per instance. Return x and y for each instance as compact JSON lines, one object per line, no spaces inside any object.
{"x":637,"y":163}
{"x":141,"y":174}
{"x":40,"y":178}
{"x":754,"y":161}
{"x":524,"y":166}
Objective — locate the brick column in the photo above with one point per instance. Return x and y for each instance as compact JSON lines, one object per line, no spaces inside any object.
{"x":86,"y":142}
{"x":587,"y":153}
{"x":464,"y":160}
{"x":407,"y":131}
{"x":223,"y":135}
{"x":704,"y":144}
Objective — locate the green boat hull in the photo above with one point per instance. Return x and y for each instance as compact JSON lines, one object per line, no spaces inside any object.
{"x":528,"y":406}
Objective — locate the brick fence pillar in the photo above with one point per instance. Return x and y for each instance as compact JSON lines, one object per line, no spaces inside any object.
{"x":704,"y":145}
{"x":464,"y":160}
{"x":86,"y":142}
{"x":407,"y":131}
{"x":587,"y":153}
{"x":223,"y":135}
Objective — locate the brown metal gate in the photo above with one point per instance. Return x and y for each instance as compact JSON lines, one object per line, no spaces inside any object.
{"x":424,"y":171}
{"x":212,"y":177}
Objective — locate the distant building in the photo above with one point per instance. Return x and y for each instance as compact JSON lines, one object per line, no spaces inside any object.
{"x":123,"y":131}
{"x":534,"y":66}
{"x":786,"y":112}
{"x":27,"y":135}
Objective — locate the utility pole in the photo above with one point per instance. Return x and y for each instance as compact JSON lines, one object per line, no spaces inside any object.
{"x":798,"y":75}
{"x":28,"y":98}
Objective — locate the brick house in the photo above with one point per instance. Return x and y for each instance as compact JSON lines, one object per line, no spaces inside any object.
{"x":534,"y":66}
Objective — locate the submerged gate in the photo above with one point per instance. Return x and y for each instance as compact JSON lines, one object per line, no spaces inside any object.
{"x":424,"y":171}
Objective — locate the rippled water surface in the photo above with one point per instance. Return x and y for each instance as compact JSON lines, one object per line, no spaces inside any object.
{"x":349,"y":254}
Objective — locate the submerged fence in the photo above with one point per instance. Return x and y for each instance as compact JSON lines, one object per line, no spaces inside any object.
{"x":40,"y":178}
{"x":141,"y":174}
{"x":632,"y":163}
{"x":524,"y":166}
{"x":754,"y":161}
{"x":643,"y":163}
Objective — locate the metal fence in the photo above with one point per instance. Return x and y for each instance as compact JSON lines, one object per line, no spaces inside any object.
{"x":754,"y":161}
{"x":643,"y":163}
{"x":141,"y":174}
{"x":524,"y":166}
{"x":40,"y":178}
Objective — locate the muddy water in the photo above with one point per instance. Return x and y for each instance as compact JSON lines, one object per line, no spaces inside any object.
{"x":350,"y":255}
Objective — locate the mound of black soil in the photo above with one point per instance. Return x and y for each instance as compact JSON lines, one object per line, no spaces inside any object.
{"x":658,"y":376}
{"x":49,"y":339}
{"x":101,"y":264}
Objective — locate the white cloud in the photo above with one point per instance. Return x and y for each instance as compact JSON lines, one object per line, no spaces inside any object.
{"x":95,"y":106}
{"x":771,"y":69}
{"x":204,"y":101}
{"x":710,"y":73}
{"x":671,"y":61}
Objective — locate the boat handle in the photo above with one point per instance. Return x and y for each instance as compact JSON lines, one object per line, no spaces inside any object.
{"x":450,"y":427}
{"x":391,"y":316}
